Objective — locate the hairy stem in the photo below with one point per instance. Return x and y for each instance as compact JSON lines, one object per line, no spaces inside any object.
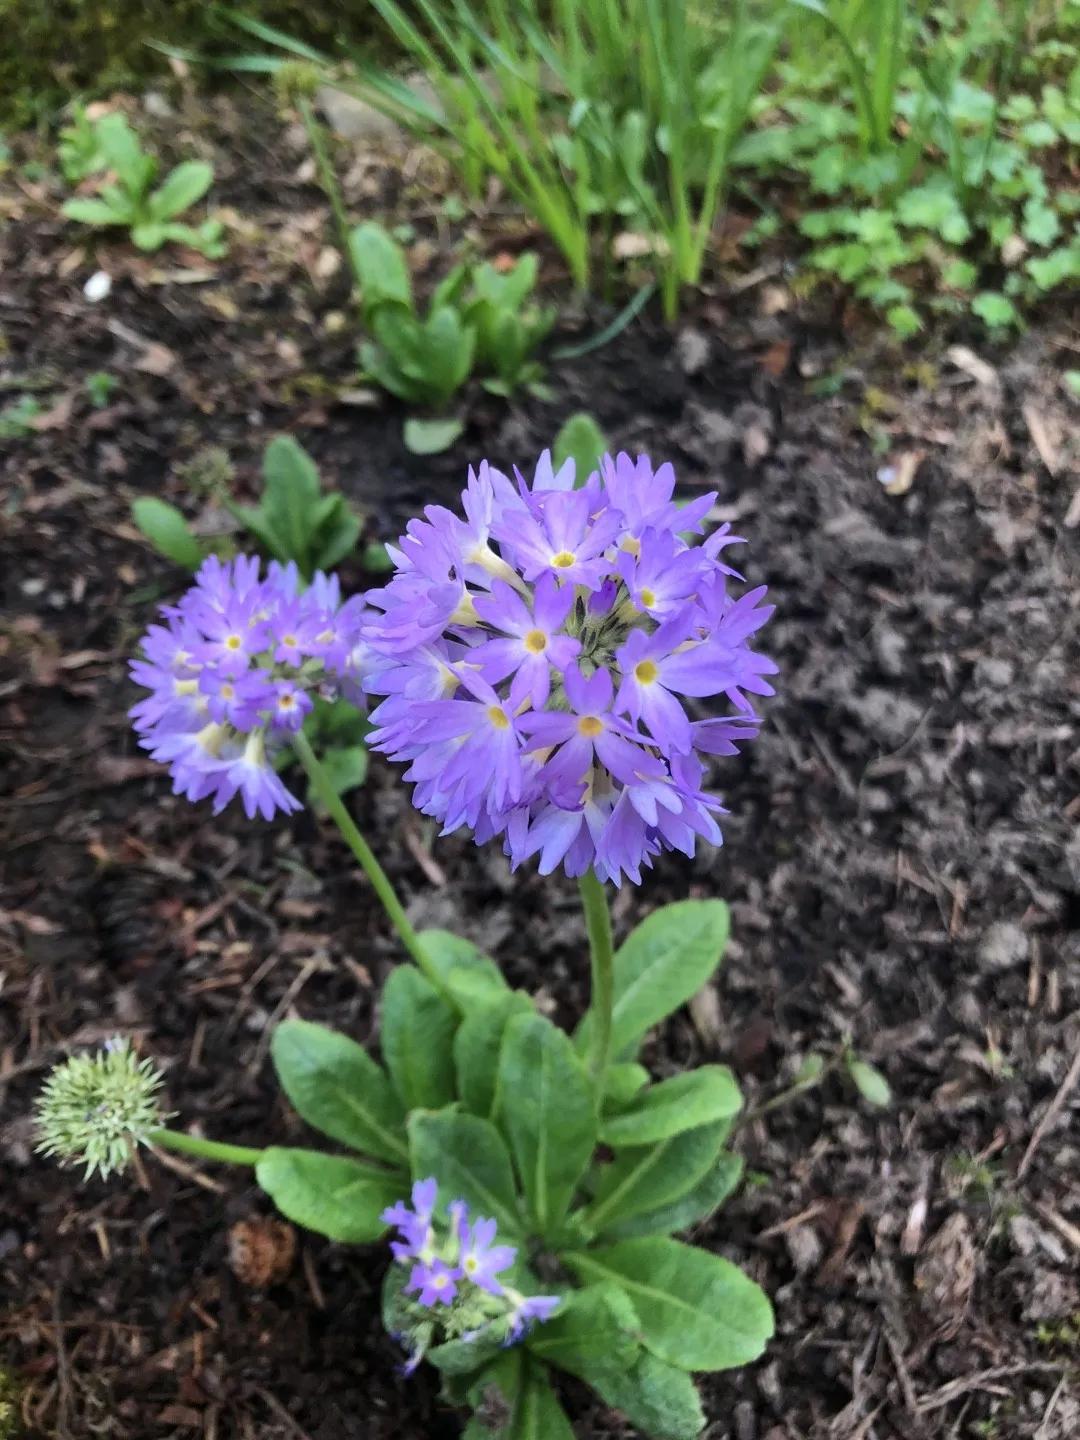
{"x":205,"y":1149}
{"x":602,"y":953}
{"x":328,"y":796}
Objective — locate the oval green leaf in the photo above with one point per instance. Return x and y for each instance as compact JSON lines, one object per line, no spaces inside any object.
{"x":477,"y":1045}
{"x":644,"y":1178}
{"x":661,"y":964}
{"x":697,"y":1311}
{"x":467,"y":1157}
{"x":546,"y":1110}
{"x":333,"y":1195}
{"x":684,"y":1102}
{"x":417,"y":1036}
{"x":334,"y":1084}
{"x":706,"y":1197}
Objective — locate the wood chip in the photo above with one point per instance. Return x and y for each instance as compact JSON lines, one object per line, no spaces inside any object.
{"x":1040,"y":437}
{"x":966,"y":360}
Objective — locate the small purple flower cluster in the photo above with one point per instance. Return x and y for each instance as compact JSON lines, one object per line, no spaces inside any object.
{"x":233,"y":672}
{"x":464,"y":1265}
{"x":536,"y":658}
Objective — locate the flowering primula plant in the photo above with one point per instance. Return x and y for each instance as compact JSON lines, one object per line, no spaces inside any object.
{"x":559,"y":666}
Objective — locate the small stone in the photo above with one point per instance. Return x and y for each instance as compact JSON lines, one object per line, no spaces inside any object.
{"x":98,"y":287}
{"x":804,"y":1247}
{"x":693,"y":348}
{"x":1003,"y":945}
{"x":745,"y":1421}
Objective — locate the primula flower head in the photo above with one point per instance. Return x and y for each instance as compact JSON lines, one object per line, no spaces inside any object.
{"x":235,"y":670}
{"x":94,"y":1109}
{"x":541,"y":660}
{"x":453,"y":1283}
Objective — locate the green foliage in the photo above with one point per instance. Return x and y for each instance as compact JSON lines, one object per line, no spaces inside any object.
{"x":339,"y":1090}
{"x":582,"y":441}
{"x":129,"y":200}
{"x":662,"y":963}
{"x":868,"y":1080}
{"x":546,"y":1108}
{"x":684,"y":1102}
{"x":16,"y":419}
{"x":469,"y":1159}
{"x":931,"y":154}
{"x":168,"y":532}
{"x":478,"y":319}
{"x":100,"y":387}
{"x":696,"y":1311}
{"x":595,"y":116}
{"x":294,"y":520}
{"x":336,"y":1195}
{"x":417,"y":1029}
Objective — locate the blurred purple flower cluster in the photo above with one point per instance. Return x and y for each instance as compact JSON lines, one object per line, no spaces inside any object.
{"x":233,"y":672}
{"x":537,"y":654}
{"x":461,"y":1268}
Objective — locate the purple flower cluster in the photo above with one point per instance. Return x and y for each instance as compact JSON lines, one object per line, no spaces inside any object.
{"x":537,"y":656}
{"x":462,"y":1267}
{"x":233,"y":672}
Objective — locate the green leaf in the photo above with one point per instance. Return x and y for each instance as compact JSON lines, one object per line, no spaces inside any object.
{"x":334,"y":1084}
{"x":336,"y":535}
{"x":470,"y":973}
{"x":622,"y":1082}
{"x":495,"y":1393}
{"x":547,"y":1111}
{"x":538,"y":1414}
{"x":290,"y":493}
{"x":960,"y":274}
{"x":466,"y":1155}
{"x":641,"y":1180}
{"x":697,"y":1311}
{"x":334,"y":1195}
{"x":1040,"y":223}
{"x":181,"y":187}
{"x":658,"y":1399}
{"x":380,"y":266}
{"x":477,"y":1045}
{"x":905,"y":320}
{"x":593,"y":1327}
{"x":582,"y":441}
{"x":120,"y":146}
{"x":94,"y":212}
{"x":168,"y":531}
{"x":255,"y":521}
{"x":706,"y":1197}
{"x":869,"y":1082}
{"x":346,"y":767}
{"x":684,"y":1102}
{"x":996,"y":311}
{"x":661,"y":965}
{"x":149,"y":236}
{"x":431,"y":437}
{"x":417,"y":1036}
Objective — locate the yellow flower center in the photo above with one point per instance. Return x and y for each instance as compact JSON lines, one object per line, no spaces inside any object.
{"x":470,"y":1265}
{"x":645,"y":672}
{"x":286,"y":702}
{"x":233,"y":642}
{"x":497,"y":716}
{"x":536,"y":642}
{"x":590,"y":725}
{"x":290,"y":641}
{"x":439,"y":1281}
{"x":563,"y":560}
{"x":631,"y":546}
{"x":228,"y":691}
{"x":648,"y":598}
{"x":185,"y":687}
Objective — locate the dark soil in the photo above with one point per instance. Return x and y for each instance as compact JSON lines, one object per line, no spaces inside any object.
{"x":902,"y":856}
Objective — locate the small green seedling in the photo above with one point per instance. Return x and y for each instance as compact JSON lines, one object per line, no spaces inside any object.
{"x":16,"y":419}
{"x":293,"y":521}
{"x":130,"y":201}
{"x":100,"y":387}
{"x":479,"y":319}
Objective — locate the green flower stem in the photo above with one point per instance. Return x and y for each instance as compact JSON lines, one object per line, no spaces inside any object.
{"x":329,"y":797}
{"x":327,"y":177}
{"x":602,"y":953}
{"x":205,"y":1149}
